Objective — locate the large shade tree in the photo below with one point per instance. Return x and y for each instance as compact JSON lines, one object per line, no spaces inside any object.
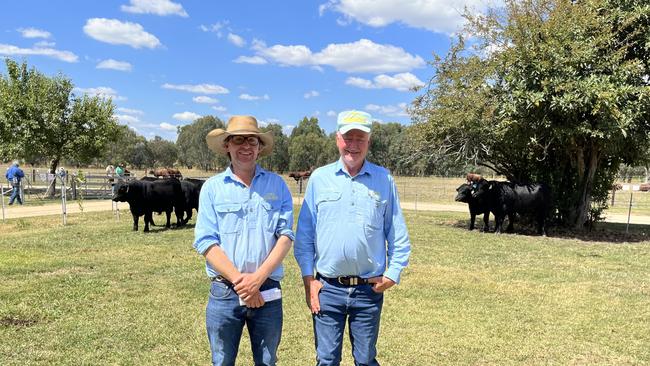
{"x":550,"y":90}
{"x":40,"y":116}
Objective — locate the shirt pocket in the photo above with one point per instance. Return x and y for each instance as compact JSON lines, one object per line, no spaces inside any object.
{"x":230,"y":217}
{"x":373,"y":213}
{"x":270,"y":215}
{"x":328,"y":206}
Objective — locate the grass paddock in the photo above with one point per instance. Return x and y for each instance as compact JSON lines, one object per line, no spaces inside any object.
{"x":94,"y":292}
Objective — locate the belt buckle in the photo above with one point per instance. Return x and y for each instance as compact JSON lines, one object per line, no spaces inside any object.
{"x":351,"y":281}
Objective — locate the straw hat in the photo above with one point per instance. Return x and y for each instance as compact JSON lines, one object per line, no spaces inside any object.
{"x":239,"y":125}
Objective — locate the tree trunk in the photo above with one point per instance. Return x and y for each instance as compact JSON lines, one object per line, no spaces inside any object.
{"x":51,"y":189}
{"x":589,"y":165}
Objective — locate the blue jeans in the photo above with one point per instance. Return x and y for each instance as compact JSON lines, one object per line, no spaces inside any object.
{"x":15,"y":194}
{"x":225,"y":320}
{"x":361,"y":307}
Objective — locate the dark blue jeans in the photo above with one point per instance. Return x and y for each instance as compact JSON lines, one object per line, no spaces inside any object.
{"x":15,"y":194}
{"x":360,"y":306}
{"x":225,"y":320}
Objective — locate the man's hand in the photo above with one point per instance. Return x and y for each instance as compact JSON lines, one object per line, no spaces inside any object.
{"x":247,"y":284}
{"x":254,"y":301}
{"x":312,"y":288}
{"x":381,"y":283}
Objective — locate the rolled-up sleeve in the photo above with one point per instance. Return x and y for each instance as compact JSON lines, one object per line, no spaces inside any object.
{"x":285,"y":222}
{"x":397,"y":237}
{"x":303,"y":249}
{"x":206,"y":231}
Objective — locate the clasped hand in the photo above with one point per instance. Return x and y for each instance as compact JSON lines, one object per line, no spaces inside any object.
{"x":247,"y":287}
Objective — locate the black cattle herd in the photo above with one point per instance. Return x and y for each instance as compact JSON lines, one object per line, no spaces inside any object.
{"x":505,"y":199}
{"x":160,"y":194}
{"x":171,"y":193}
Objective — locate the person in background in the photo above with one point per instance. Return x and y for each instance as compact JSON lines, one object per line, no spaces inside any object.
{"x":351,"y":244}
{"x":15,"y":175}
{"x":244,"y":232}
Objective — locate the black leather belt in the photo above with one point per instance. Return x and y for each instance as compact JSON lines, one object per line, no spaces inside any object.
{"x":222,"y":279}
{"x":344,"y":280}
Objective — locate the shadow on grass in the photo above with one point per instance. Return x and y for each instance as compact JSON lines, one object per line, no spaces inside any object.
{"x":600,"y":232}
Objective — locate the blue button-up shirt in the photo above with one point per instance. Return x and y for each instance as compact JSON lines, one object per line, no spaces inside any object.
{"x":351,"y":226}
{"x":244,"y":221}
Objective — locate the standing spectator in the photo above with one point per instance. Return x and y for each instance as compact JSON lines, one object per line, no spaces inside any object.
{"x":110,"y":174}
{"x":15,"y":175}
{"x":351,"y":245}
{"x":244,"y":231}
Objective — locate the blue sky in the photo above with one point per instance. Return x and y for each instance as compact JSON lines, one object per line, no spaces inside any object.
{"x":167,"y":62}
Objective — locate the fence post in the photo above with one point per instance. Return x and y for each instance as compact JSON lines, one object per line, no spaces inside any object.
{"x":2,"y":194}
{"x":63,"y":201}
{"x":629,"y":212}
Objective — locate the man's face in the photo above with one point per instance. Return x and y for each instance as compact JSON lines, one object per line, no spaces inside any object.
{"x":353,"y":147}
{"x":243,"y":149}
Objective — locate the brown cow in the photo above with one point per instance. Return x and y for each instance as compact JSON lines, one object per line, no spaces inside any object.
{"x":166,"y":173}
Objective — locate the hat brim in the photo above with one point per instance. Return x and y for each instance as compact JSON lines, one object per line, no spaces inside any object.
{"x":346,"y":128}
{"x":216,"y":140}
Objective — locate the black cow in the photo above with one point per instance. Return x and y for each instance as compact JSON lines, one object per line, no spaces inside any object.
{"x":145,"y":197}
{"x":506,"y":198}
{"x":476,"y":206}
{"x":191,"y":190}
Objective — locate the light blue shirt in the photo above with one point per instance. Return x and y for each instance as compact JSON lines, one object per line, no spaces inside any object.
{"x":351,"y":226}
{"x":244,"y":221}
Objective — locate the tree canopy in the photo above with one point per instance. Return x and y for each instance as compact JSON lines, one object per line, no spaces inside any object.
{"x":550,"y":90}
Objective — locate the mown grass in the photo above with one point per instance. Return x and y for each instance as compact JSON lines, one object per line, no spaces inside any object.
{"x":94,"y":292}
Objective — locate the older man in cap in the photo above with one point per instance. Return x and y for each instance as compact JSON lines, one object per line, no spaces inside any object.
{"x":244,"y":230}
{"x":351,"y":244}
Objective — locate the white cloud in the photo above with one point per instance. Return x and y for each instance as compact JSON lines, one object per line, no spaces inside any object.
{"x":199,"y":88}
{"x":219,"y":108}
{"x":10,"y":50}
{"x":286,"y":130}
{"x":186,"y":116}
{"x":236,"y":40}
{"x":215,"y":28}
{"x":388,"y":110}
{"x":311,"y":94}
{"x":121,"y":33}
{"x":101,"y":91}
{"x":255,"y":60}
{"x":44,"y":44}
{"x":157,"y":7}
{"x":361,"y":56}
{"x":443,"y":16}
{"x":331,"y":113}
{"x":402,"y":82}
{"x":205,"y":100}
{"x":254,"y":97}
{"x":168,"y":127}
{"x":130,"y":111}
{"x":114,"y":65}
{"x":34,"y":33}
{"x":126,"y":119}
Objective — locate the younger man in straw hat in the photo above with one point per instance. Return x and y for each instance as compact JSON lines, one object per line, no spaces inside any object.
{"x":244,"y":231}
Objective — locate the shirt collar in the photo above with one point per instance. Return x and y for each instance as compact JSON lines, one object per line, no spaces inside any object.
{"x":340,"y":168}
{"x":229,"y":175}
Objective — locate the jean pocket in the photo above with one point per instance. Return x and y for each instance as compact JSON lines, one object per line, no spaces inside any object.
{"x":220,"y":290}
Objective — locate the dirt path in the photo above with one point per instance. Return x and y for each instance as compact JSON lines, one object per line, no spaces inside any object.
{"x":16,"y":211}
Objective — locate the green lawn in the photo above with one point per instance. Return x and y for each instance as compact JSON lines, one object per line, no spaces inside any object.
{"x":94,"y":292}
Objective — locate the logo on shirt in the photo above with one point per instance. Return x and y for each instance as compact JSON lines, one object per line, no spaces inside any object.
{"x":270,"y":197}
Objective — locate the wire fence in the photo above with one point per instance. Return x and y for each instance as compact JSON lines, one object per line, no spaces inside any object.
{"x":419,"y":193}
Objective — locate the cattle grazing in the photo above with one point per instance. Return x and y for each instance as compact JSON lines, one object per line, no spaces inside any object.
{"x":145,"y":197}
{"x":476,"y":206}
{"x":506,"y":198}
{"x":191,"y":191}
{"x":166,"y":173}
{"x":298,"y":176}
